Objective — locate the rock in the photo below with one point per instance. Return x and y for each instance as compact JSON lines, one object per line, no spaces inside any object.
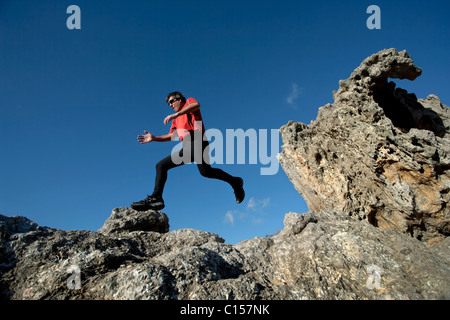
{"x":126,"y":219}
{"x":294,"y":223}
{"x":133,"y":256}
{"x":318,"y":255}
{"x":12,"y":225}
{"x":340,"y":258}
{"x":377,"y":153}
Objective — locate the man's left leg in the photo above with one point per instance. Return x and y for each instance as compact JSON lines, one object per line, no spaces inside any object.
{"x":207,"y":171}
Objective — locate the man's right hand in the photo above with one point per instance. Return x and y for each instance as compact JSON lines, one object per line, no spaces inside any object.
{"x":145,"y":138}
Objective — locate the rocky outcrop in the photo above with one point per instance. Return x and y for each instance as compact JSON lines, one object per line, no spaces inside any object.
{"x":377,"y":153}
{"x":318,"y":255}
{"x":373,"y":170}
{"x":123,"y":220}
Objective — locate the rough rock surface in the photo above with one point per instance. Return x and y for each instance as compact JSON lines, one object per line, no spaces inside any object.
{"x":318,"y":255}
{"x":371,"y":177}
{"x":123,"y":219}
{"x":377,"y":153}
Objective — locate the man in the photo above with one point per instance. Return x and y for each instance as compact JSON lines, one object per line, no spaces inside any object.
{"x":187,"y":124}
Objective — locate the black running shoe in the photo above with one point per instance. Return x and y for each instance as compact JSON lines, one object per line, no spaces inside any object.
{"x":239,"y":192}
{"x":149,"y":203}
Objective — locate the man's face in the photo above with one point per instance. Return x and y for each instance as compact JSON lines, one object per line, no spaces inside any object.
{"x":175,"y":104}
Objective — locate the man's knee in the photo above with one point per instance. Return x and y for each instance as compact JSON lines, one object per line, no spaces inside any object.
{"x":206,"y":171}
{"x":161,"y":165}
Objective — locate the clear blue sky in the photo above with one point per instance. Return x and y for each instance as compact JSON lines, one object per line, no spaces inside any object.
{"x":73,"y":101}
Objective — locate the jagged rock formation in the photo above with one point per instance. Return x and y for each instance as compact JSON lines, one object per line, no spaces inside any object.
{"x":377,"y":153}
{"x":318,"y":255}
{"x":371,"y":178}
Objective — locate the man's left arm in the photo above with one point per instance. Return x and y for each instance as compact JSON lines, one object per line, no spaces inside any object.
{"x":187,"y":109}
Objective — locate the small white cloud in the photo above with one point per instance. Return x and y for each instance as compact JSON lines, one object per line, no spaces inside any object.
{"x":253,"y":213}
{"x":255,"y":204}
{"x":265,"y":202}
{"x":251,"y":203}
{"x":229,"y":217}
{"x":295,"y":92}
{"x":257,"y":221}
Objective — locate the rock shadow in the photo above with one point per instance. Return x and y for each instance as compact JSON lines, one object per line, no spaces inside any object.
{"x":405,"y":111}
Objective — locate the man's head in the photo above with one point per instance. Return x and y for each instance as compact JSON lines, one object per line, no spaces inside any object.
{"x":176,"y":100}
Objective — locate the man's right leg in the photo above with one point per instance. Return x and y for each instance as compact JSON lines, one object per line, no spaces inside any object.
{"x":155,"y":201}
{"x":162,"y":168}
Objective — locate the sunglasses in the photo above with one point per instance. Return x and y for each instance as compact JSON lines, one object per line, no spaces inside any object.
{"x":172,"y":101}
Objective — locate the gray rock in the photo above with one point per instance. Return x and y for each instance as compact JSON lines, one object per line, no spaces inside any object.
{"x":126,"y":219}
{"x":377,"y":153}
{"x":17,"y":224}
{"x":318,"y":255}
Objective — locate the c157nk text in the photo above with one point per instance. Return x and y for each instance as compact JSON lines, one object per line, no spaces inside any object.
{"x":229,"y":309}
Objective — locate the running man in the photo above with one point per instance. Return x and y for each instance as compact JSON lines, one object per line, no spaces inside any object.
{"x":187,"y":124}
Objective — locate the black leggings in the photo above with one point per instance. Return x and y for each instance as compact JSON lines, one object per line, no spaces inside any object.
{"x":194,"y":150}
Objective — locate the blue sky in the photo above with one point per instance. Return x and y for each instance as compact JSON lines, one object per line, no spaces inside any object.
{"x":73,"y":101}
